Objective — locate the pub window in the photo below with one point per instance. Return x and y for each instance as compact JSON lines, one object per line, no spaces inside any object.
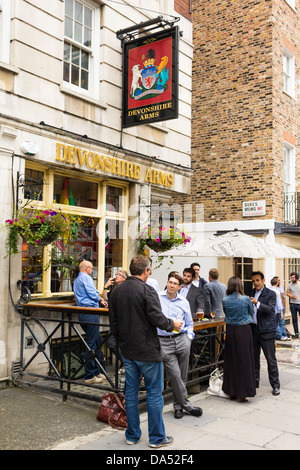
{"x":114,"y":199}
{"x":66,"y":256}
{"x":34,"y":184}
{"x":243,"y":268}
{"x":75,"y":192}
{"x":79,"y":200}
{"x":113,"y":247}
{"x":32,"y":272}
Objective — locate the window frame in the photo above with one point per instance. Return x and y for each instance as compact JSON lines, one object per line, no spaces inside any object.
{"x":5,"y":28}
{"x":292,"y":4}
{"x":94,"y":55}
{"x":289,"y":72}
{"x":100,"y":213}
{"x":289,"y":152}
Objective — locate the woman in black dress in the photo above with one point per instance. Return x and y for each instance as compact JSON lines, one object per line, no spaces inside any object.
{"x":239,"y":372}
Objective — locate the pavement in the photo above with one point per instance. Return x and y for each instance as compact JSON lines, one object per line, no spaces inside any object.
{"x":33,"y":420}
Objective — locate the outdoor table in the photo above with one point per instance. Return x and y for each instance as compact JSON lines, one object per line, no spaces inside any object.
{"x":206,"y":348}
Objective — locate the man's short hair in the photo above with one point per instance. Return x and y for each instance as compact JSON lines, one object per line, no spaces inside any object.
{"x":171,"y":274}
{"x":258,"y":273}
{"x":274,"y":281}
{"x":178,"y":277}
{"x":190,"y":271}
{"x":295,"y":274}
{"x":214,"y":273}
{"x":138,"y":265}
{"x":195,"y":264}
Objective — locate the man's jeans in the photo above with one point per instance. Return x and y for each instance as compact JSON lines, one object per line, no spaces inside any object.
{"x":281,"y":329}
{"x":153,"y":378}
{"x":294,"y":309}
{"x":94,"y":341}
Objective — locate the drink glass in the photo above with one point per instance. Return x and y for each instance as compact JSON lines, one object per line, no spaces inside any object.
{"x":179,"y":317}
{"x":200,"y":314}
{"x":212,"y":314}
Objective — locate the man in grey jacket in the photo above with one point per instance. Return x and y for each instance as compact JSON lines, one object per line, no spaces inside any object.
{"x":213,"y":294}
{"x":135,"y":313}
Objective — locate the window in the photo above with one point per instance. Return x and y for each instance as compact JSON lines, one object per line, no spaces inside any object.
{"x":289,"y":168}
{"x":34,"y":184}
{"x":5,"y":31}
{"x":99,"y":219}
{"x":81,"y":46}
{"x":290,"y":201}
{"x":75,"y":192}
{"x":242,"y":268}
{"x":288,"y":72}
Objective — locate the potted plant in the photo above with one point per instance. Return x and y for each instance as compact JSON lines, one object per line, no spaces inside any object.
{"x":37,"y":227}
{"x":161,"y":239}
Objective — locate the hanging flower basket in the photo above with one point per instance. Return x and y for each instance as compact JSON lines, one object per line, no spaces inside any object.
{"x":42,"y":239}
{"x":158,"y":246}
{"x":36,"y":227}
{"x":161,"y":239}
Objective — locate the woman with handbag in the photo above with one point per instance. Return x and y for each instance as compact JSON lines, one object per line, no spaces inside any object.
{"x":239,"y":371}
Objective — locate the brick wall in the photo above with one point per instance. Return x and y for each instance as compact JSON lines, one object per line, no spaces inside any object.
{"x":183,"y":8}
{"x":239,"y":109}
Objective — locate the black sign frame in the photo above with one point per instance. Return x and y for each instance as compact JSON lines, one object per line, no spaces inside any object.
{"x":141,"y":102}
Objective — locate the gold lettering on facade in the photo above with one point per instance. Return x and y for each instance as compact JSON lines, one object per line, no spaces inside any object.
{"x":76,"y":156}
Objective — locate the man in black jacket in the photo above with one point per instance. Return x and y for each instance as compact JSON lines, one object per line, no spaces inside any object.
{"x":264,"y":329}
{"x":135,"y":313}
{"x":192,"y":293}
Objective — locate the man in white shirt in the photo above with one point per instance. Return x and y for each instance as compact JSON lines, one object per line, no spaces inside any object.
{"x":198,"y":281}
{"x":176,"y":346}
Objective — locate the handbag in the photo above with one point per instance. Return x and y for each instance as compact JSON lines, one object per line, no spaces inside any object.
{"x":216,"y":383}
{"x":112,"y":410}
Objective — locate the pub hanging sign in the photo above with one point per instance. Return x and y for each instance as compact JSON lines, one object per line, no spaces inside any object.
{"x":150,"y":78}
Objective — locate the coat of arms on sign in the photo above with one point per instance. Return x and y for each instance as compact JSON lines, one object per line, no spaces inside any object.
{"x":152,"y":79}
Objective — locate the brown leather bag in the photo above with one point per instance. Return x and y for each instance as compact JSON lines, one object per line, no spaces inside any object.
{"x":112,"y":410}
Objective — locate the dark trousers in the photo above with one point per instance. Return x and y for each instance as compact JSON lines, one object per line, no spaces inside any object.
{"x":94,"y":341}
{"x":295,"y":309}
{"x":265,"y":342}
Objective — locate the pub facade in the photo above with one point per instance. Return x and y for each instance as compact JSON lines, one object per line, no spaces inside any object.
{"x":63,"y":145}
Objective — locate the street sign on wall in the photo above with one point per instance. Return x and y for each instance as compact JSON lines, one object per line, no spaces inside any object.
{"x":150,"y":78}
{"x":252,"y":208}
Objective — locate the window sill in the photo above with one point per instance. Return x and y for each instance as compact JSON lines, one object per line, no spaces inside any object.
{"x":9,"y":68}
{"x":293,"y":97}
{"x":88,"y":99}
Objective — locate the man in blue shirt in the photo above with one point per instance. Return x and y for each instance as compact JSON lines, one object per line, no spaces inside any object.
{"x":176,"y":346}
{"x":86,"y":295}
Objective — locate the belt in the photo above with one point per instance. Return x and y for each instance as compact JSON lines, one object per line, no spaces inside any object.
{"x":173,"y":336}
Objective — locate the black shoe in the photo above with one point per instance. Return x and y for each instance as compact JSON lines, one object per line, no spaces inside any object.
{"x":195,"y":412}
{"x":296,"y":336}
{"x":276,"y":391}
{"x":178,"y":414}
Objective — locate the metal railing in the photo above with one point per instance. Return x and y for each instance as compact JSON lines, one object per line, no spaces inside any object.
{"x":63,"y":330}
{"x":292,"y":209}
